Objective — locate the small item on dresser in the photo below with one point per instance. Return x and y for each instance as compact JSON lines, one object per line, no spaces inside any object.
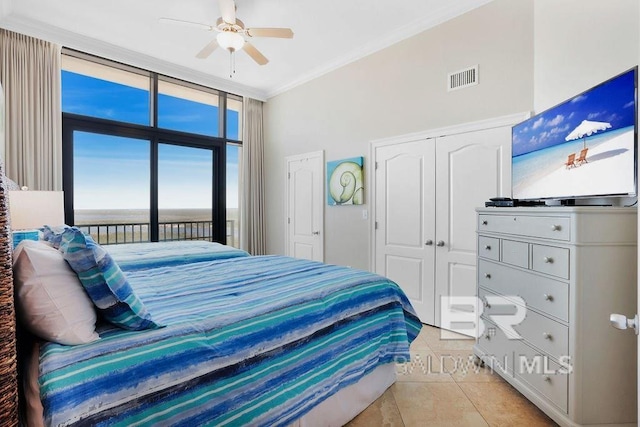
{"x":506,"y":202}
{"x":501,"y":202}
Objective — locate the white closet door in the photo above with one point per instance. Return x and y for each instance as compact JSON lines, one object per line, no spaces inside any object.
{"x":305,"y":209}
{"x":405,"y":184}
{"x":470,"y":168}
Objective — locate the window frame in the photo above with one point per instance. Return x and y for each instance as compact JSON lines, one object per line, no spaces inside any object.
{"x":75,"y":122}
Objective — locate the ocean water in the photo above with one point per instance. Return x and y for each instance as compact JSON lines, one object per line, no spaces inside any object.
{"x":112,"y":230}
{"x":135,"y":216}
{"x":527,"y":167}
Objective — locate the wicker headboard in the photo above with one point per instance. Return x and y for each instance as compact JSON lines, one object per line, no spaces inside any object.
{"x":8,"y":357}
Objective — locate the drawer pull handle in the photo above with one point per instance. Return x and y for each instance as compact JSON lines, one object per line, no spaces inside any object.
{"x":487,"y":275}
{"x":486,"y":304}
{"x":547,"y":378}
{"x":487,"y":247}
{"x":487,"y":337}
{"x":485,"y":222}
{"x":548,"y":297}
{"x":556,"y":228}
{"x":547,"y":336}
{"x":548,"y":260}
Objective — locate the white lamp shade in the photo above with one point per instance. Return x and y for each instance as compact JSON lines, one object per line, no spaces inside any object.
{"x":33,"y":209}
{"x":230,"y":40}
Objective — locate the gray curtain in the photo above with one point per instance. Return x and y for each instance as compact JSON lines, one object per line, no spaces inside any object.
{"x":252,"y":228}
{"x":30,"y":75}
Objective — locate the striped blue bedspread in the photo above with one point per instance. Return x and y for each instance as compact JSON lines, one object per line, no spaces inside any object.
{"x":255,"y":340}
{"x":134,"y":256}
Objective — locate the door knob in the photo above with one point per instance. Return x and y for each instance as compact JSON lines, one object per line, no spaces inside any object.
{"x":440,"y":243}
{"x":620,"y":321}
{"x":316,"y":233}
{"x":429,"y":242}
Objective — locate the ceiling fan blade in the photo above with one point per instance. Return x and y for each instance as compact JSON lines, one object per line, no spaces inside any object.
{"x":185,"y":23}
{"x":228,"y":11}
{"x":281,"y":33}
{"x":207,"y":50}
{"x":255,"y":54}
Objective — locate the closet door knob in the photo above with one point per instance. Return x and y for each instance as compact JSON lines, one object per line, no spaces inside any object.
{"x":429,"y":242}
{"x":440,"y":243}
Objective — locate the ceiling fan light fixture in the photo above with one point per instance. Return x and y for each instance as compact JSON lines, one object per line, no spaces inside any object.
{"x":230,"y":40}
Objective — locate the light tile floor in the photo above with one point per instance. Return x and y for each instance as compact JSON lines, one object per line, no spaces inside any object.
{"x":442,"y":387}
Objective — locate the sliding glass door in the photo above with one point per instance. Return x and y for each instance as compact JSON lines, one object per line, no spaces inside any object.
{"x":185,"y":193}
{"x":111,"y":191}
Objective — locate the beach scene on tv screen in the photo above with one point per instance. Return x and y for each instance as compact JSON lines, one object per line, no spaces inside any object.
{"x":582,"y":147}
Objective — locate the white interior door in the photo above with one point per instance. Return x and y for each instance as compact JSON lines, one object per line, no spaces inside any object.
{"x":404,"y":237}
{"x":304,"y":206}
{"x":470,"y":168}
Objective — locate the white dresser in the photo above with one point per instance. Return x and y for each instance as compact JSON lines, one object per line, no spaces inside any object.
{"x":558,"y":273}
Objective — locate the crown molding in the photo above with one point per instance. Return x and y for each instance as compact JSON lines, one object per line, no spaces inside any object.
{"x":120,"y":54}
{"x":439,"y":16}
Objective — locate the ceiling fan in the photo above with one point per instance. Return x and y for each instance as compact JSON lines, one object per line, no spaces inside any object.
{"x":232,"y":33}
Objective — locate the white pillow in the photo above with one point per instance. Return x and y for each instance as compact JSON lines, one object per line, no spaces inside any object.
{"x":50,"y":299}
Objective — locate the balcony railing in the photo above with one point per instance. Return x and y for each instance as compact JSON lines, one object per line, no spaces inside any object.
{"x":113,"y":234}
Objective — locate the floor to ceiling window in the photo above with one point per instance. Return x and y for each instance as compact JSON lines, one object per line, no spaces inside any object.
{"x":148,"y":157}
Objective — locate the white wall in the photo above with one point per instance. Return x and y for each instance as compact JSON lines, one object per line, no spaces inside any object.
{"x":532,"y":55}
{"x":399,"y":90}
{"x":580,"y":43}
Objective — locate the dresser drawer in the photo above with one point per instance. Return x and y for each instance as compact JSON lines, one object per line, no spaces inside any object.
{"x":489,"y":247}
{"x":548,"y":335}
{"x":515,"y":253}
{"x":544,"y":294}
{"x":494,"y":343}
{"x":546,"y":227}
{"x":543,"y":374}
{"x":550,"y":260}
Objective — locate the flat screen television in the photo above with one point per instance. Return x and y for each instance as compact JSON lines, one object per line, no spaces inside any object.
{"x":584,"y":147}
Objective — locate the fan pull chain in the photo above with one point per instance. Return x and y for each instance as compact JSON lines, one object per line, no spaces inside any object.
{"x":232,"y":63}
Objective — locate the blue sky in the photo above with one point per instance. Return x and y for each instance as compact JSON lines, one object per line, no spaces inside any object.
{"x":113,"y":172}
{"x":612,"y":102}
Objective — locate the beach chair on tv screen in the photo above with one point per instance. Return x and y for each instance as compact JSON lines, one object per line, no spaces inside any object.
{"x":571,"y":161}
{"x":582,"y":158}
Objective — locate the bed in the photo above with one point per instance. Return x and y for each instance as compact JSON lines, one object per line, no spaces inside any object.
{"x":229,"y":339}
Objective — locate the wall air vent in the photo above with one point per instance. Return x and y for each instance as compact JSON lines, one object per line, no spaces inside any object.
{"x":463,"y":78}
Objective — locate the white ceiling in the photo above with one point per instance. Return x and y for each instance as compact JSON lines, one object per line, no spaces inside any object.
{"x":328,"y":34}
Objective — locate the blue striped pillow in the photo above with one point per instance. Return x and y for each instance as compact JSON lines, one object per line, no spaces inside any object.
{"x":53,"y":235}
{"x":105,"y":283}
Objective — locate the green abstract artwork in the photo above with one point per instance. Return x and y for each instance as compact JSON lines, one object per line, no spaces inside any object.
{"x":345,"y":182}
